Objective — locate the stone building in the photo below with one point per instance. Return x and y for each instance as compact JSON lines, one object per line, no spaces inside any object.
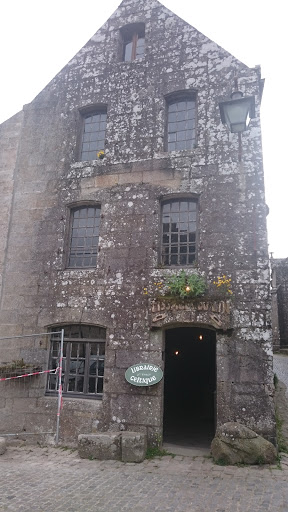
{"x":118,"y":176}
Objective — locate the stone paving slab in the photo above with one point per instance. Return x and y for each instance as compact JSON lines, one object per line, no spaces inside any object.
{"x":50,"y":479}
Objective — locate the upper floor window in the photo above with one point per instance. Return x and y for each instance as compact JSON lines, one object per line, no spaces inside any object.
{"x":181,"y":123}
{"x":83,"y":360}
{"x":133,"y":37}
{"x":93,"y":139}
{"x":84,"y":236}
{"x":179,"y":223}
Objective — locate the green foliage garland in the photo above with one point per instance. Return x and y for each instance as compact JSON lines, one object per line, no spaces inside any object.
{"x":184,"y":285}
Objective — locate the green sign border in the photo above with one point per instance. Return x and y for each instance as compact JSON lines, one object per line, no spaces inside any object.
{"x":143,"y":374}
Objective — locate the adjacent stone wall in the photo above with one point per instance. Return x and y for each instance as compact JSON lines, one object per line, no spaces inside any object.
{"x":9,"y":140}
{"x":280,"y":290}
{"x":129,"y":183}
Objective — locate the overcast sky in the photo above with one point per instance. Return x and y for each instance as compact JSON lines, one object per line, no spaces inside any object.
{"x":37,"y":39}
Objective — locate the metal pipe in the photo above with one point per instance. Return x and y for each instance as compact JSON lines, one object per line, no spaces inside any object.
{"x":59,"y":388}
{"x":31,"y":335}
{"x":27,"y":434}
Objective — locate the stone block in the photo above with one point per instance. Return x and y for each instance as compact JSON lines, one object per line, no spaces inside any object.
{"x":2,"y":445}
{"x":134,"y":446}
{"x":100,"y":446}
{"x":136,"y":177}
{"x":236,"y":444}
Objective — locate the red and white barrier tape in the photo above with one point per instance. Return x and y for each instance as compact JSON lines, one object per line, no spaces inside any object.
{"x":29,"y":374}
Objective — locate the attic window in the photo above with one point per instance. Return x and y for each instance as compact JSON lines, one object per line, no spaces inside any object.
{"x":133,"y":41}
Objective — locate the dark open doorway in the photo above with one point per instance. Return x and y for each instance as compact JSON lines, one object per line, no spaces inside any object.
{"x":189,"y":386}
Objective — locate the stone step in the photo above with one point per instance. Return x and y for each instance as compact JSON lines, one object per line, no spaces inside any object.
{"x":124,"y":446}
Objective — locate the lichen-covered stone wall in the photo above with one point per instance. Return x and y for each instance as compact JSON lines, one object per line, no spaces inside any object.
{"x":129,"y":183}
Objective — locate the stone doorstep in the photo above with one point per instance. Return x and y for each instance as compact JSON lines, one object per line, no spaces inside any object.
{"x":124,"y":446}
{"x":2,"y":445}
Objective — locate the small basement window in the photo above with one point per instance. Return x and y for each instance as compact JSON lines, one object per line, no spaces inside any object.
{"x":133,"y":41}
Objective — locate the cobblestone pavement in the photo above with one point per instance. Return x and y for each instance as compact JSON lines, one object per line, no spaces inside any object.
{"x":50,"y":479}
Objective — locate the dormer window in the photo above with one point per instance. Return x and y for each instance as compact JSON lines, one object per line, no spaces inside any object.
{"x":133,"y":38}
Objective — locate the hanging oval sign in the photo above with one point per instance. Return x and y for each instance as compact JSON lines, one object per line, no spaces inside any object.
{"x":143,"y":374}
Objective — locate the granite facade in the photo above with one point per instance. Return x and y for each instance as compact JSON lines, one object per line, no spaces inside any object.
{"x":44,"y":178}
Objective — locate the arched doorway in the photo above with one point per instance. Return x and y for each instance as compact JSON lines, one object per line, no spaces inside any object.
{"x":189,"y":386}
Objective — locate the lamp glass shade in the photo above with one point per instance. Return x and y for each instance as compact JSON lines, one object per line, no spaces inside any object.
{"x":236,"y":113}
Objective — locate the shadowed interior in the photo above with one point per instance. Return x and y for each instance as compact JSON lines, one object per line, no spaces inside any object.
{"x":189,"y":386}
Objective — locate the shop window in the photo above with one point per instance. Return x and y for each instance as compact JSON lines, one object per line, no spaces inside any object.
{"x":84,"y":236}
{"x":93,"y":138}
{"x":83,"y":360}
{"x":179,"y":232}
{"x":133,"y":41}
{"x":181,"y":123}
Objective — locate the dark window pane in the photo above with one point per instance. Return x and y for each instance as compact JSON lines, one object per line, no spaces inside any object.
{"x":80,"y":384}
{"x":101,"y":349}
{"x":71,"y":383}
{"x":183,"y":259}
{"x":92,"y":385}
{"x":101,"y":367}
{"x":92,"y":369}
{"x":100,"y":386}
